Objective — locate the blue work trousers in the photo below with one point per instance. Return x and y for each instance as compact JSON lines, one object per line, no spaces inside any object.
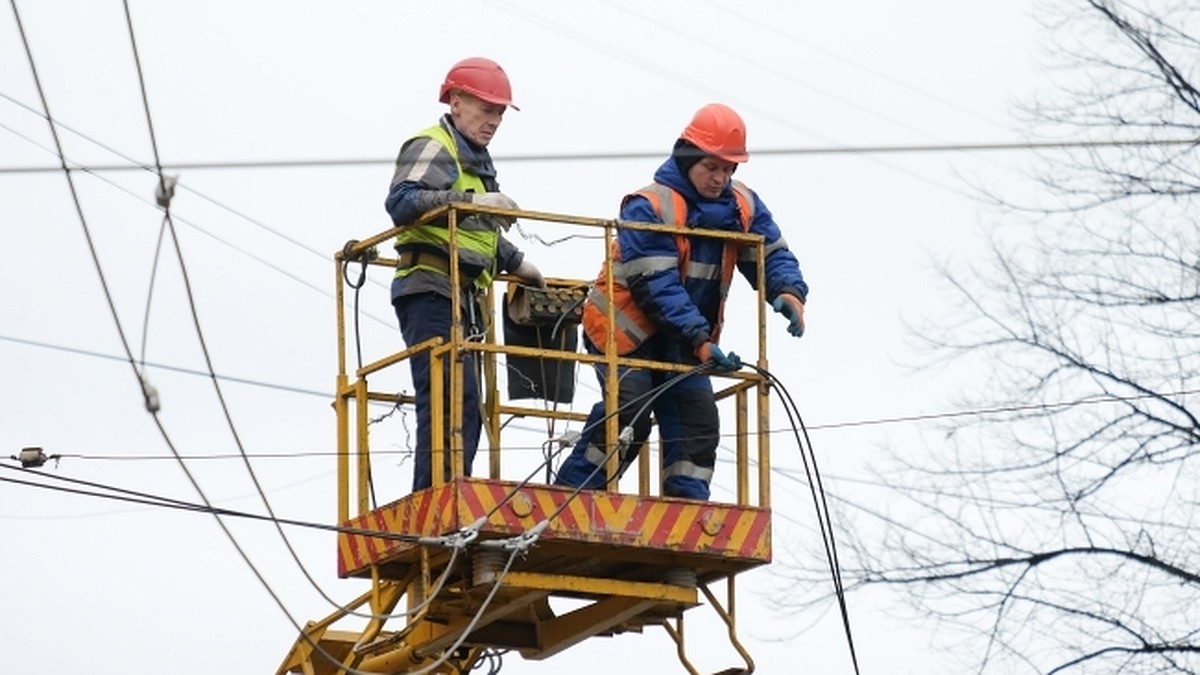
{"x":423,"y":316}
{"x":686,"y":413}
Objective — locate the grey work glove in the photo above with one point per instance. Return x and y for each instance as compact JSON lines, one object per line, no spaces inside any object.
{"x":497,"y":200}
{"x":529,"y":274}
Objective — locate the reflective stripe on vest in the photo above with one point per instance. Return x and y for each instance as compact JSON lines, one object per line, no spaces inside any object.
{"x":478,"y":238}
{"x":633,"y":327}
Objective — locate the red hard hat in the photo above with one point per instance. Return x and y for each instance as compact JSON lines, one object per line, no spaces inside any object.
{"x":479,"y":77}
{"x":718,"y":130}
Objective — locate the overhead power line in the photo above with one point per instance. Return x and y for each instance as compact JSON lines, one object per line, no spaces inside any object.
{"x":844,"y":424}
{"x":163,"y":366}
{"x":615,"y":156}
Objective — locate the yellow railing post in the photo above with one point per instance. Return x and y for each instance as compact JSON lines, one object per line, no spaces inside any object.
{"x":611,"y":381}
{"x":339,"y":401}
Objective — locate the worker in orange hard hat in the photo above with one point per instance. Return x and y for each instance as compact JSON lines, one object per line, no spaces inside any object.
{"x":668,"y":296}
{"x":449,"y":162}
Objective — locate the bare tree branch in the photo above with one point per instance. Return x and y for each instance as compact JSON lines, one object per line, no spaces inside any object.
{"x":1060,"y":531}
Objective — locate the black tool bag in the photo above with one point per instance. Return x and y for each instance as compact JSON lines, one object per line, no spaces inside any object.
{"x":542,"y":318}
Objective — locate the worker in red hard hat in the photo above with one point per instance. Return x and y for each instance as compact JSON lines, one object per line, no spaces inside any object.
{"x":446,"y":163}
{"x":668,"y":295}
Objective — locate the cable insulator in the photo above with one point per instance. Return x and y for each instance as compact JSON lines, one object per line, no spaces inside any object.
{"x":31,"y":458}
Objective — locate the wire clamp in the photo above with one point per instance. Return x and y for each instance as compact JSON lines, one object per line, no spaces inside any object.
{"x":165,"y":191}
{"x":521,"y":542}
{"x":150,"y":394}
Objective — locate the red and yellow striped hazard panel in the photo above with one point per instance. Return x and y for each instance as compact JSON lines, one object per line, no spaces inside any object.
{"x":712,"y":530}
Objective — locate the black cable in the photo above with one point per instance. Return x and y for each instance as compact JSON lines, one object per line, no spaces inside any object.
{"x":74,"y":192}
{"x":657,"y":391}
{"x":152,"y":404}
{"x":363,"y":259}
{"x":650,"y":397}
{"x":150,"y":499}
{"x":163,"y":366}
{"x":875,"y":421}
{"x":165,"y":502}
{"x":550,"y":458}
{"x":162,"y":230}
{"x":134,"y":165}
{"x":821,"y":506}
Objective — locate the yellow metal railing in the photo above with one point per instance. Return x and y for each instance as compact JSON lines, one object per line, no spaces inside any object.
{"x":354,"y":396}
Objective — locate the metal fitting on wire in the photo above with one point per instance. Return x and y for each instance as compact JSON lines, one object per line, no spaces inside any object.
{"x":521,"y":542}
{"x":32,"y":458}
{"x":460,"y":539}
{"x":150,"y":394}
{"x":165,"y":190}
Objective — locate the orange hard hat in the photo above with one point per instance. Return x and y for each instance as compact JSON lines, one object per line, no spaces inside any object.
{"x":719,"y":131}
{"x":481,"y":78}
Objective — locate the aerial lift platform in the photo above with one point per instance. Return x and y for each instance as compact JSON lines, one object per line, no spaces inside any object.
{"x":478,"y":560}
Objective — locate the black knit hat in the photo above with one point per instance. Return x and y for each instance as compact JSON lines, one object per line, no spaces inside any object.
{"x":686,"y":155}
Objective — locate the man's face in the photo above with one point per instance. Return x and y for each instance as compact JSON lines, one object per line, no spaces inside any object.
{"x":710,"y":176}
{"x":475,"y":118}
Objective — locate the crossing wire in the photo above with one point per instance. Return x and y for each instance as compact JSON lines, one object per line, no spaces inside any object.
{"x":585,"y":156}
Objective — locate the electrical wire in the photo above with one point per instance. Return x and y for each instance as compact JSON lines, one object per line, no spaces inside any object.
{"x":776,"y":73}
{"x":151,"y":404}
{"x":133,"y":164}
{"x":844,"y":424}
{"x":356,"y":284}
{"x":138,"y":497}
{"x":576,"y":156}
{"x":216,"y":384}
{"x":492,"y":659}
{"x":150,"y":398}
{"x":162,"y":230}
{"x":159,"y":168}
{"x":163,"y":366}
{"x":650,"y":394}
{"x":74,"y":166}
{"x":466,"y":632}
{"x":766,"y":25}
{"x":152,"y":407}
{"x":820,"y":504}
{"x":115,"y":493}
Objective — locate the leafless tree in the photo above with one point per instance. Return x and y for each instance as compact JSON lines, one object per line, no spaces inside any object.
{"x":1060,"y":527}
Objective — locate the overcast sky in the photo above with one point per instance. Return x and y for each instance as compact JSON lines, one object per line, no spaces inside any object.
{"x":94,"y":586}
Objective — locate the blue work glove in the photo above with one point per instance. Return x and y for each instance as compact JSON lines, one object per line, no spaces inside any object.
{"x":709,"y":352}
{"x":791,"y":307}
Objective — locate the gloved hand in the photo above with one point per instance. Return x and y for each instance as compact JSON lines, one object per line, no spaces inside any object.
{"x":497,"y":200}
{"x":530,"y":274}
{"x":791,"y":307}
{"x":709,"y":352}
